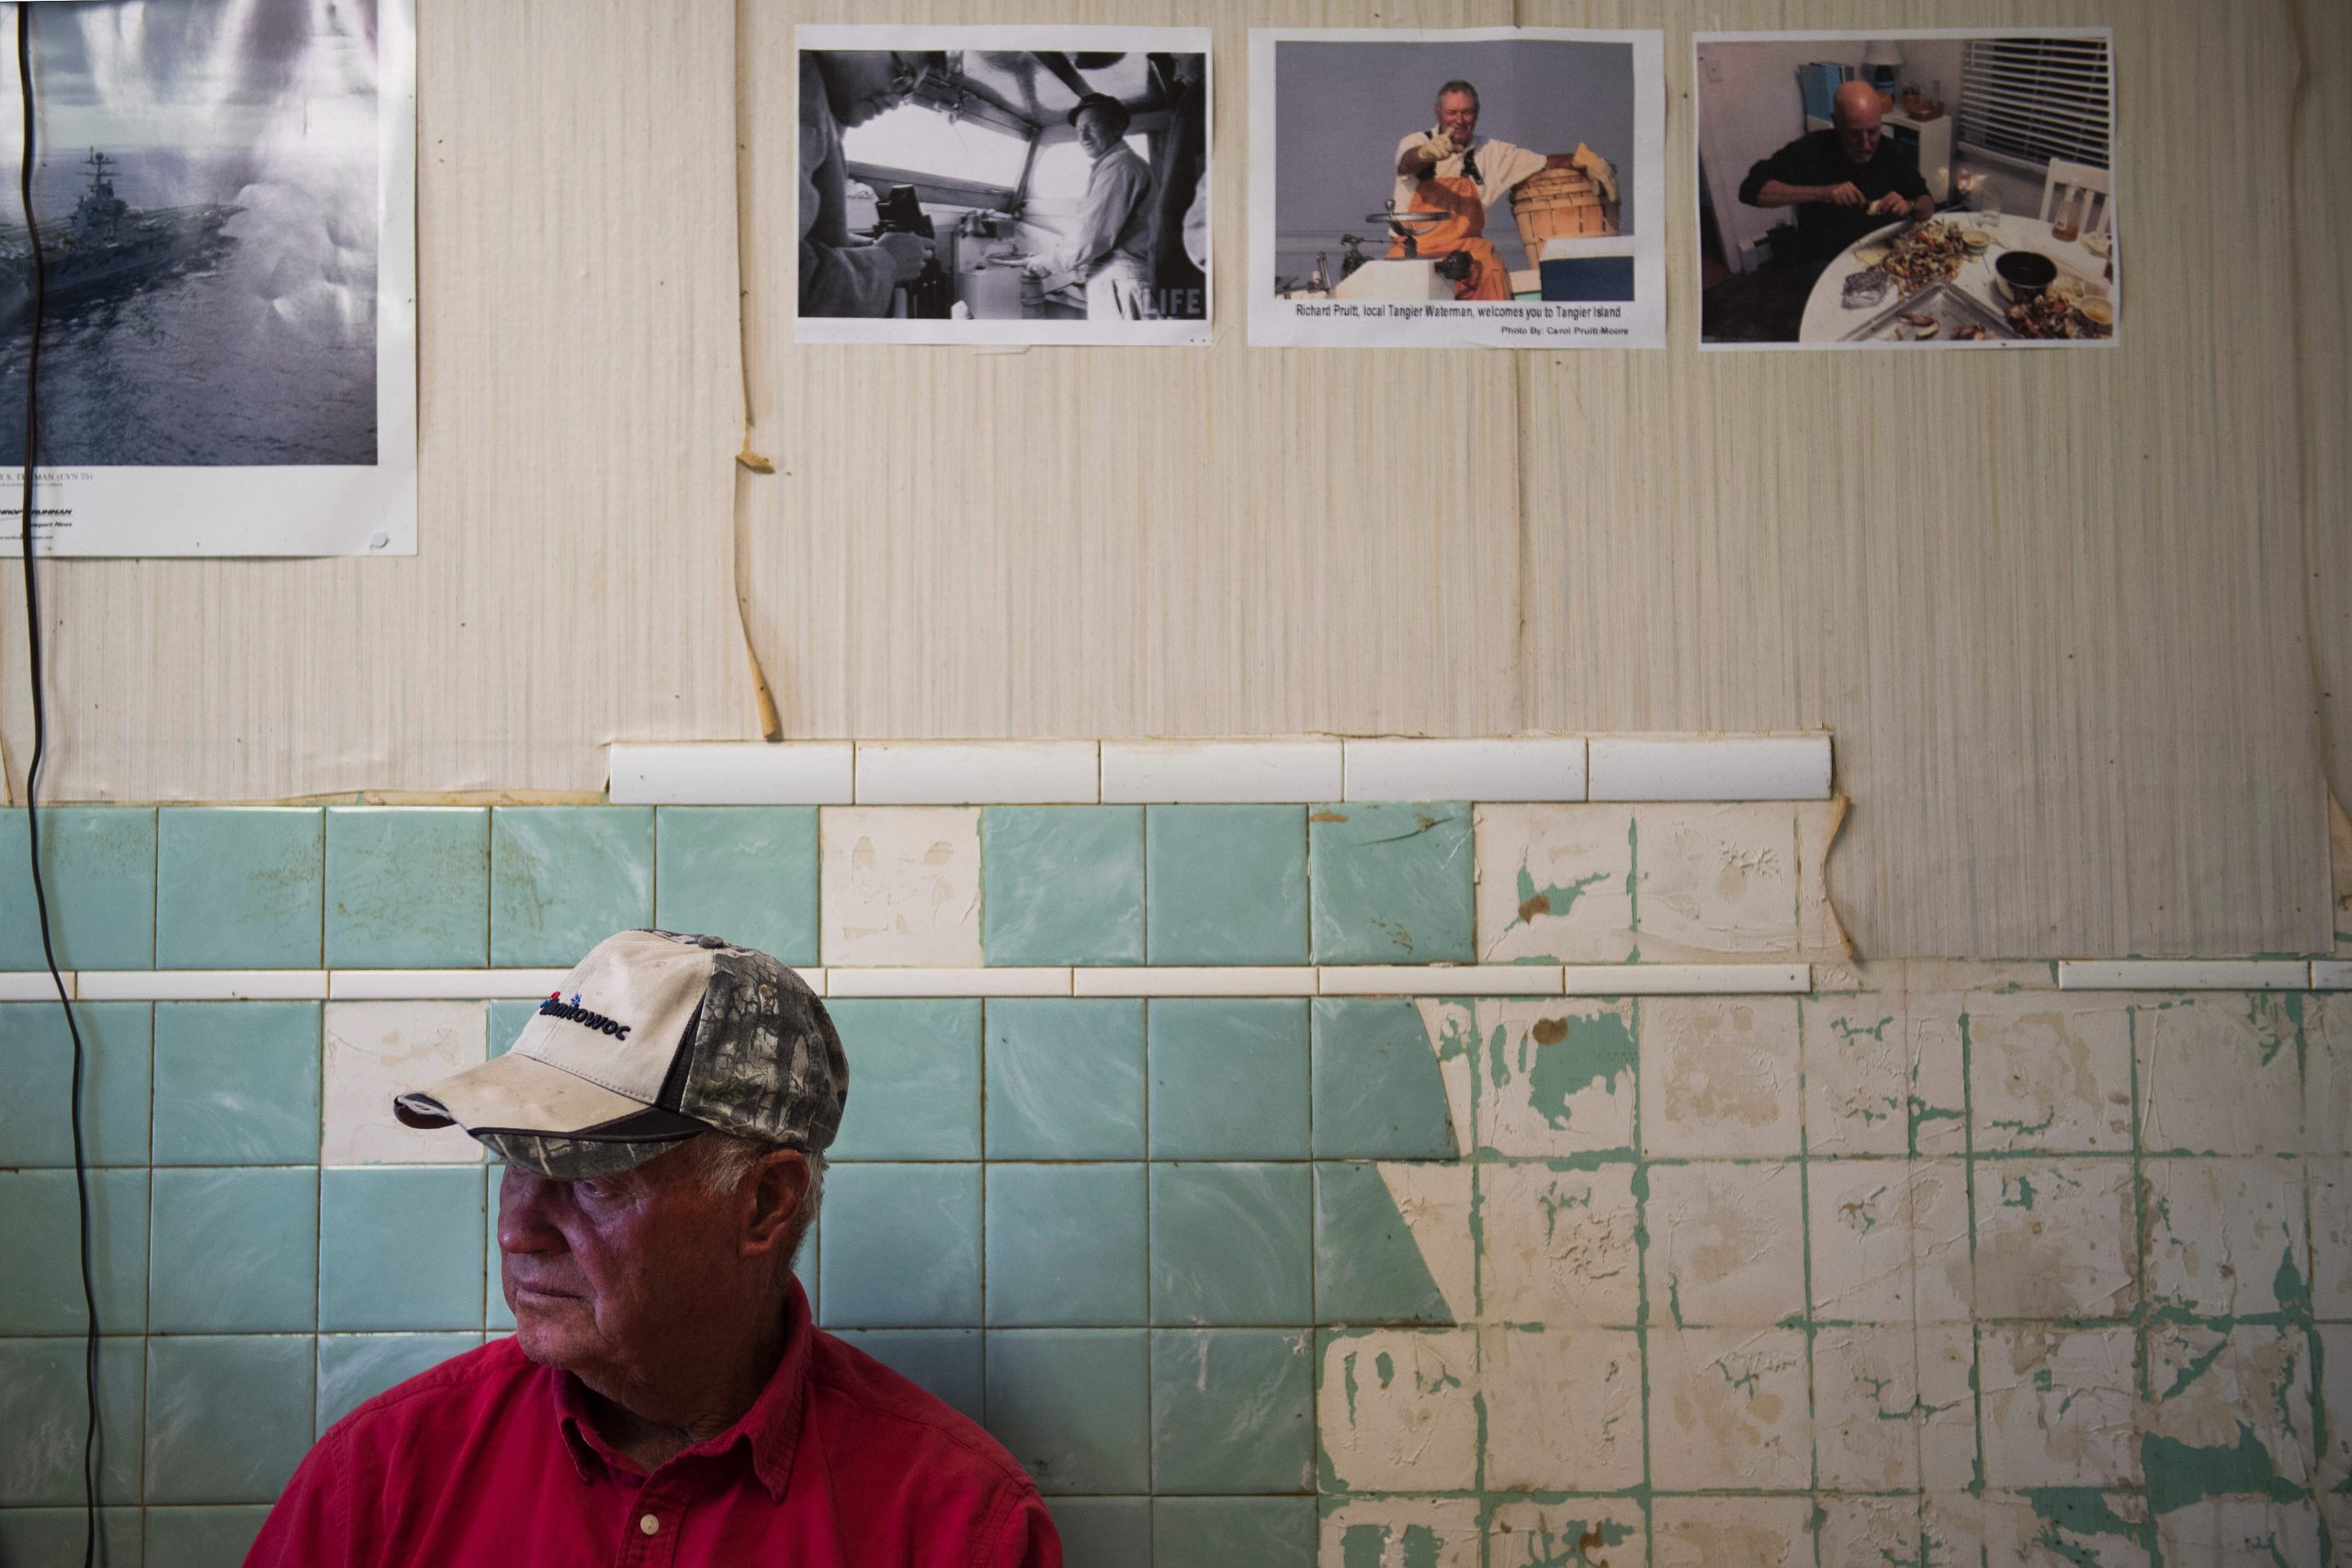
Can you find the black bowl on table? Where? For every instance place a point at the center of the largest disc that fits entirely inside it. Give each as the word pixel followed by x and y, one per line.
pixel 2025 274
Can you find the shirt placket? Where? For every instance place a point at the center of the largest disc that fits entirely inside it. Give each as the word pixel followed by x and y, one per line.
pixel 655 1520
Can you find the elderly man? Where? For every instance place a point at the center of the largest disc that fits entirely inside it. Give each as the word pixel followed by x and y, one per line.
pixel 1447 169
pixel 1108 252
pixel 840 274
pixel 664 1398
pixel 1844 182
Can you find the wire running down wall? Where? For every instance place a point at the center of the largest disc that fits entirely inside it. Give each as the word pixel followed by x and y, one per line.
pixel 2063 612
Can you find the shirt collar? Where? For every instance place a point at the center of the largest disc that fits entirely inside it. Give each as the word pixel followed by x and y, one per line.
pixel 770 1428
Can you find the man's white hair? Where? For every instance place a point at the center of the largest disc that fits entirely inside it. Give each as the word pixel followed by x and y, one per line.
pixel 724 1161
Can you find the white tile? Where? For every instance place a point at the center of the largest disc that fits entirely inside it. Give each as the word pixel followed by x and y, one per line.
pixel 32 985
pixel 901 885
pixel 734 772
pixel 1536 768
pixel 1440 979
pixel 376 1051
pixel 2332 973
pixel 200 985
pixel 977 773
pixel 1249 771
pixel 1287 980
pixel 433 985
pixel 1686 979
pixel 1709 767
pixel 1005 982
pixel 2183 975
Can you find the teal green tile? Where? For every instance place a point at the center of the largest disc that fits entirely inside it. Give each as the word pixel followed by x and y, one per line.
pixel 44 1410
pixel 1221 1532
pixel 228 1417
pixel 1066 1245
pixel 239 886
pixel 1072 1406
pixel 1232 1244
pixel 55 1536
pixel 385 1261
pixel 408 887
pixel 356 1368
pixel 237 1083
pixel 901 1246
pixel 496 1317
pixel 1229 1077
pixel 943 1362
pixel 1065 1079
pixel 1391 882
pixel 1232 1411
pixel 117 1044
pixel 1226 884
pixel 507 1017
pixel 1379 1089
pixel 1367 1266
pixel 746 873
pixel 216 1536
pixel 562 879
pixel 1105 1532
pixel 99 868
pixel 915 1070
pixel 1062 883
pixel 233 1251
pixel 40 1252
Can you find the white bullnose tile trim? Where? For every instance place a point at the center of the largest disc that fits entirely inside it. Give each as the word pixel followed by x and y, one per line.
pixel 1687 979
pixel 979 773
pixel 440 984
pixel 2184 974
pixel 1007 982
pixel 2332 973
pixel 733 773
pixel 32 985
pixel 1531 768
pixel 1221 771
pixel 1709 767
pixel 1287 980
pixel 1439 980
pixel 201 984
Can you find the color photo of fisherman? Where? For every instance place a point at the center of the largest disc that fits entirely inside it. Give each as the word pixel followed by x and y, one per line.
pixel 961 193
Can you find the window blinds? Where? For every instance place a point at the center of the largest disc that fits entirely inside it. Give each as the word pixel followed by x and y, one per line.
pixel 2037 98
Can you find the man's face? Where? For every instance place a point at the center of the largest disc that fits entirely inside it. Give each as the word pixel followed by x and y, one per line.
pixel 1457 116
pixel 616 1279
pixel 1095 132
pixel 1857 131
pixel 862 83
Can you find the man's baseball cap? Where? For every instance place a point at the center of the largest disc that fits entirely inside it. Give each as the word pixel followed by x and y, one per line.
pixel 655 1037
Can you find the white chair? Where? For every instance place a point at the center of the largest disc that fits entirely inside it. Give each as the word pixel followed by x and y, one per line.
pixel 2070 185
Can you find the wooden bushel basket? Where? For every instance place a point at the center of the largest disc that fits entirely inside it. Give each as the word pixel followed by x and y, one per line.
pixel 1557 204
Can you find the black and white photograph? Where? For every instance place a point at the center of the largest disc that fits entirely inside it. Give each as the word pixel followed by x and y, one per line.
pixel 1939 189
pixel 223 201
pixel 1495 187
pixel 1029 184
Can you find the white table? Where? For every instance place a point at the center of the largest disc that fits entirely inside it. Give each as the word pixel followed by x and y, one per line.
pixel 1827 319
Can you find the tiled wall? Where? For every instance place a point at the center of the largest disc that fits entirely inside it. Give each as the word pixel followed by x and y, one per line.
pixel 1914 1263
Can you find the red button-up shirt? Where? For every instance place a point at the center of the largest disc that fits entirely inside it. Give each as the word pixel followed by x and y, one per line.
pixel 490 1462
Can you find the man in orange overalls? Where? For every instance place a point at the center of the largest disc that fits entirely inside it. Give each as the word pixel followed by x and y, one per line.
pixel 1447 169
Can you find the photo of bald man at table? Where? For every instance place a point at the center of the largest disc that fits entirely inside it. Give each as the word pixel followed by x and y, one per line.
pixel 1921 188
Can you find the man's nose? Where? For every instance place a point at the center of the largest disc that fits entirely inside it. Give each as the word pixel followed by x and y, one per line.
pixel 523 1223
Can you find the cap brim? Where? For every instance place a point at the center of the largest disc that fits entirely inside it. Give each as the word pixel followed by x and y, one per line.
pixel 516 1093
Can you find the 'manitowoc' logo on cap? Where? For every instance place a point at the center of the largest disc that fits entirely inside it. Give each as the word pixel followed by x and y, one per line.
pixel 556 1007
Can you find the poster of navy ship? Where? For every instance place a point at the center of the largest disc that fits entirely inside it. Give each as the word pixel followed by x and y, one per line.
pixel 223 233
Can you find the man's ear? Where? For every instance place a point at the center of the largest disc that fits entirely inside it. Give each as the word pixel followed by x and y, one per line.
pixel 779 1186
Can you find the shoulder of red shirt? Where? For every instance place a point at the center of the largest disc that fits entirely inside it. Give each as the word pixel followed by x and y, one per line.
pixel 481 1376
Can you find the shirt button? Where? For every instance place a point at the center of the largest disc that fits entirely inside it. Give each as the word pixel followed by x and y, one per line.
pixel 649 1524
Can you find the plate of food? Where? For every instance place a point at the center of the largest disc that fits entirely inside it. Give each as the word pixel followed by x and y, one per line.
pixel 1925 255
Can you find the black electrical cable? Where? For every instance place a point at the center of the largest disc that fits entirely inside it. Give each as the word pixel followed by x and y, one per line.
pixel 91 1449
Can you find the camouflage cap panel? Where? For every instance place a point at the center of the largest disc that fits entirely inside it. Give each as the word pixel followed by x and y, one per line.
pixel 569 1159
pixel 766 1062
